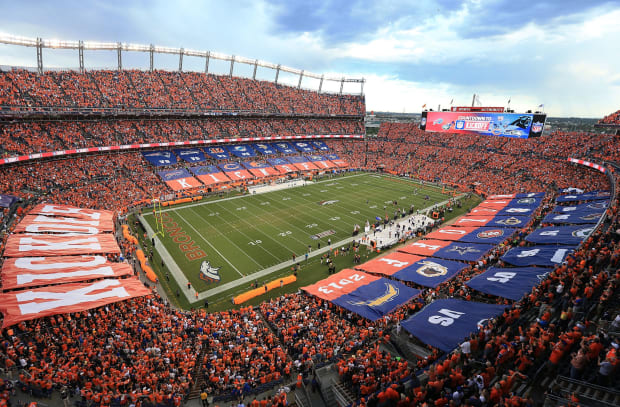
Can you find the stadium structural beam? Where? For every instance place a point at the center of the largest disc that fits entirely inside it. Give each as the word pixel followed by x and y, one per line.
pixel 81 55
pixel 151 51
pixel 277 73
pixel 119 55
pixel 301 75
pixel 255 67
pixel 39 55
pixel 321 83
pixel 181 60
pixel 341 85
pixel 232 65
pixel 119 47
pixel 362 86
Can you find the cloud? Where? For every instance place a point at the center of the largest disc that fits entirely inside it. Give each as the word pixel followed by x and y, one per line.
pixel 560 53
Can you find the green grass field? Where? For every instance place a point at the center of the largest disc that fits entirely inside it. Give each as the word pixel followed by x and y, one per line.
pixel 246 234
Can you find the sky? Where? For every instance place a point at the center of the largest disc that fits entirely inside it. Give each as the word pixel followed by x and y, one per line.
pixel 562 54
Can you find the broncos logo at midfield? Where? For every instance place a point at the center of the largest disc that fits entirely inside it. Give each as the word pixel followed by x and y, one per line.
pixel 391 292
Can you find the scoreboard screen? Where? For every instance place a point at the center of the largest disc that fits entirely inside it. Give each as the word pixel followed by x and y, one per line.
pixel 516 125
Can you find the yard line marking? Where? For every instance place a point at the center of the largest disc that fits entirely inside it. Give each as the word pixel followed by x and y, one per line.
pixel 240 218
pixel 231 242
pixel 203 238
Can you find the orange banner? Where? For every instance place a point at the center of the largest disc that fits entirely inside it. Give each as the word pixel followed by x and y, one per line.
pixel 58 224
pixel 20 245
pixel 18 306
pixel 26 272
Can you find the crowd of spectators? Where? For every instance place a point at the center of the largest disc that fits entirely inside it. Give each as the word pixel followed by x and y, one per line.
pixel 314 331
pixel 133 89
pixel 612 118
pixel 37 137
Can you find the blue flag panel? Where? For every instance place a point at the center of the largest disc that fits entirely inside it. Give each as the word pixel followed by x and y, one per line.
pixel 266 149
pixel 297 159
pixel 377 299
pixel 594 206
pixel 313 158
pixel 278 161
pixel 492 221
pixel 547 256
pixel 253 164
pixel 242 151
pixel 563 235
pixel 444 324
pixel 205 169
pixel 577 218
pixel 303 146
pixel 284 147
pixel 218 153
pixel 511 283
pixel 332 157
pixel 192 155
pixel 160 158
pixel 320 145
pixel 587 196
pixel 430 272
pixel 463 251
pixel 520 195
pixel 231 167
pixel 174 174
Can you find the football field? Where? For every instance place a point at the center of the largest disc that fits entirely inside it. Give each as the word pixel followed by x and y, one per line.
pixel 246 234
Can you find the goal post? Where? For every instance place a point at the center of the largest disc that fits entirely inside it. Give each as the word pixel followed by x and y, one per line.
pixel 159 223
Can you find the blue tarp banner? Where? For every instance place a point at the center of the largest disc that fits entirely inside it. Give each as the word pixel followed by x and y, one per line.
pixel 7 200
pixel 426 271
pixel 547 256
pixel 587 196
pixel 160 158
pixel 231 167
pixel 471 234
pixel 377 298
pixel 520 195
pixel 594 206
pixel 510 211
pixel 511 203
pixel 242 151
pixel 314 158
pixel 297 159
pixel 266 149
pixel 332 157
pixel 205 169
pixel 511 283
pixel 464 251
pixel 577 218
pixel 218 153
pixel 303 146
pixel 562 235
pixel 253 164
pixel 320 145
pixel 278 161
pixel 174 174
pixel 444 324
pixel 369 296
pixel 492 221
pixel 284 147
pixel 192 155
pixel 448 250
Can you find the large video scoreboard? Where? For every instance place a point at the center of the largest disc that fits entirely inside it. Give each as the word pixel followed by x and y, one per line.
pixel 516 125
